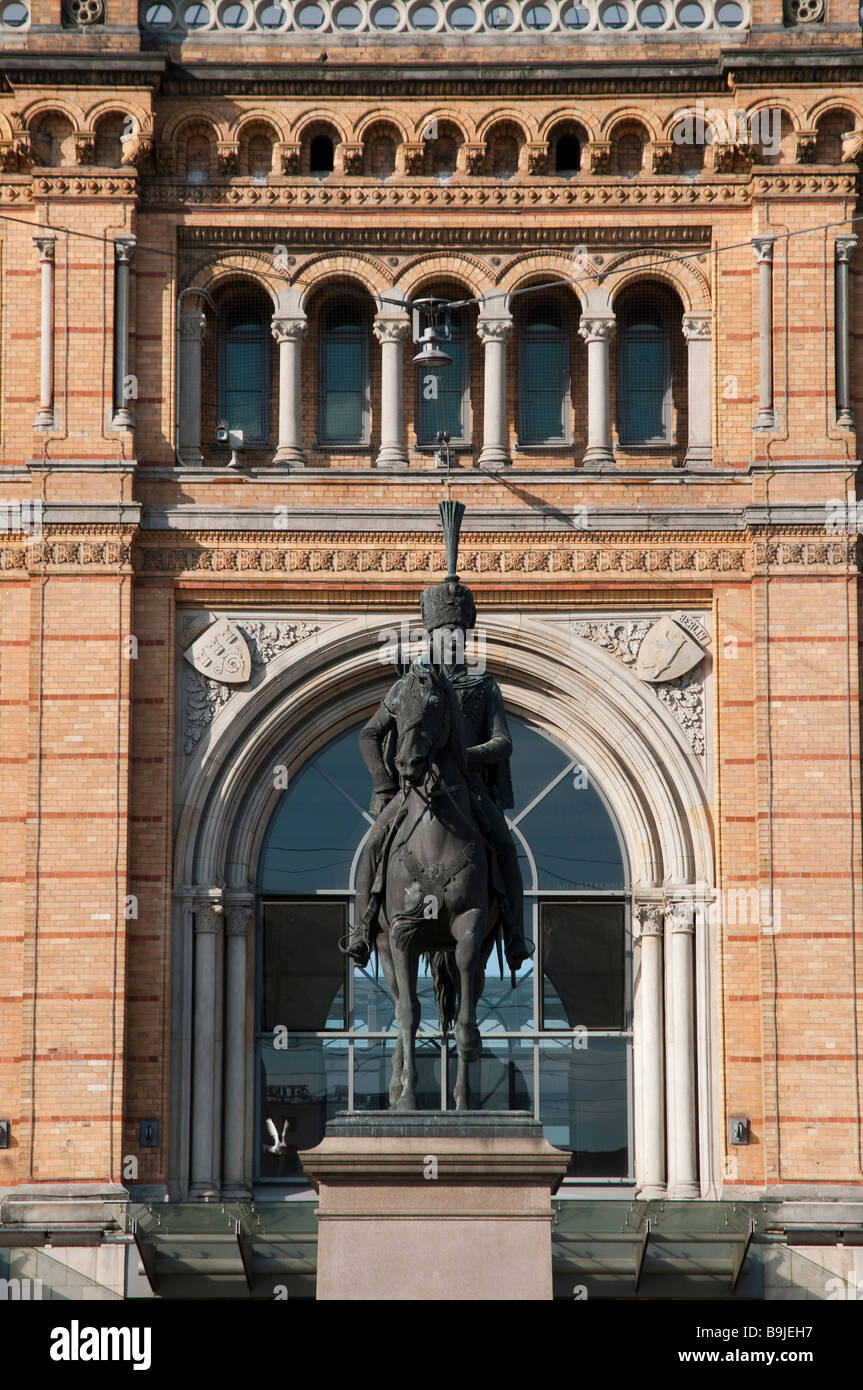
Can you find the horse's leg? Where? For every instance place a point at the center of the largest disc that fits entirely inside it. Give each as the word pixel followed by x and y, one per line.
pixel 469 929
pixel 406 961
pixel 385 957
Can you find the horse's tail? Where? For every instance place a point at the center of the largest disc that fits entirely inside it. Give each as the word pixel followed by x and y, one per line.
pixel 445 979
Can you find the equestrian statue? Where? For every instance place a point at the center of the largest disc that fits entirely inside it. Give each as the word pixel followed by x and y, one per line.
pixel 439 875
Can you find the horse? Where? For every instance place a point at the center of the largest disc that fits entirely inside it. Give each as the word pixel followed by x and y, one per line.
pixel 437 897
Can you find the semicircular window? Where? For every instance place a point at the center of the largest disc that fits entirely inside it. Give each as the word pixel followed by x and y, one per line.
pixel 557 1044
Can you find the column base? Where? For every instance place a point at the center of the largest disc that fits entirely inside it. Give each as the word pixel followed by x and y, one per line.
pixel 651 1192
pixel 190 458
pixel 680 1190
pixel 236 1192
pixel 434 1205
pixel 494 457
pixel 598 457
pixel 699 456
pixel 205 1191
pixel 290 457
pixel 391 457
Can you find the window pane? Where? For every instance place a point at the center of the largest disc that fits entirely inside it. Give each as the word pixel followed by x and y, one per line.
pixel 573 838
pixel 301 1087
pixel 373 1064
pixel 303 969
pixel 372 1011
pixel 583 1104
pixel 344 378
pixel 543 376
pixel 447 412
pixel 245 381
pixel 644 383
pixel 583 970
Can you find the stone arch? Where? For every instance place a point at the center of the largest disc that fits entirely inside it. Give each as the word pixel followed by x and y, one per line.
pixel 210 275
pixel 508 116
pixel 382 116
pixel 446 116
pixel 52 136
pixel 574 115
pixel 631 115
pixel 367 272
pixel 175 129
pixel 140 115
pixel 46 105
pixel 249 135
pixel 306 122
pixel 835 102
pixel 521 273
pixel 271 118
pixel 688 281
pixel 423 269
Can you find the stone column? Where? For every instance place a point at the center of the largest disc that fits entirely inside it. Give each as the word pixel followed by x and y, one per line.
pixel 45 245
pixel 494 332
pixel 763 246
pixel 239 918
pixel 597 332
pixel 651 1157
pixel 680 1050
pixel 288 331
pixel 391 331
pixel 192 328
pixel 124 249
pixel 207 1044
pixel 844 248
pixel 698 330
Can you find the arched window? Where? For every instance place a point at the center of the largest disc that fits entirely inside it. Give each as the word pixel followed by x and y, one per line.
pixel 543 374
pixel 644 390
pixel 343 373
pixel 443 393
pixel 244 366
pixel 567 155
pixel 558 1045
pixel 321 155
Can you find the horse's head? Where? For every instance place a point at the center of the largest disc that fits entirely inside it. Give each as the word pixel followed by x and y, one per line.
pixel 423 720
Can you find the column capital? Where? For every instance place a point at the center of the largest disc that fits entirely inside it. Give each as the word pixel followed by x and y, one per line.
pixel 494 328
pixel 45 243
pixel 650 918
pixel 193 324
pixel 124 249
pixel 209 910
pixel 239 917
pixel 844 248
pixel 288 328
pixel 599 329
pixel 763 248
pixel 697 326
pixel 391 328
pixel 680 916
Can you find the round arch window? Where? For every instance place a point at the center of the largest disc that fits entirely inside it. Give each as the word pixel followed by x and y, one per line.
pixel 557 1045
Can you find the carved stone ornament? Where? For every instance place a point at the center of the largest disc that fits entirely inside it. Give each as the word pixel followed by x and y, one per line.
pixel 537 159
pixel 852 146
pixel 83 12
pixel 683 696
pixel 289 158
pixel 803 11
pixel 221 654
pixel 666 652
pixel 85 148
pixel 204 697
pixel 474 158
pixel 229 158
pixel 352 159
pixel 660 157
pixel 599 156
pixel 414 156
pixel 650 918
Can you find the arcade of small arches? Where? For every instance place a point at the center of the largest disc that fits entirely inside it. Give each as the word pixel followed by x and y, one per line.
pixel 229 864
pixel 625 368
pixel 201 148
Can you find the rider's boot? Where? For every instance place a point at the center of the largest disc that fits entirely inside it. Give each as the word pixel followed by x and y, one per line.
pixel 516 947
pixel 358 944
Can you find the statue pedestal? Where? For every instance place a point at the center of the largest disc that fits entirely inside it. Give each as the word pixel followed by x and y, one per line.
pixel 434 1205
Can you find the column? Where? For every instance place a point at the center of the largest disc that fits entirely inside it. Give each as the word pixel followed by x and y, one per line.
pixel 239 916
pixel 698 330
pixel 651 1155
pixel 597 333
pixel 124 248
pixel 494 332
pixel 288 331
pixel 45 245
pixel 763 246
pixel 391 331
pixel 680 1050
pixel 206 1044
pixel 192 328
pixel 844 250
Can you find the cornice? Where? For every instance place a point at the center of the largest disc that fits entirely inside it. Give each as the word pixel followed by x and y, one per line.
pixel 202 239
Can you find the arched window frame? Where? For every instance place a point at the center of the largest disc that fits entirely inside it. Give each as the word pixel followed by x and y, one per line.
pixel 645 325
pixel 257 337
pixel 361 389
pixel 528 338
pixel 453 393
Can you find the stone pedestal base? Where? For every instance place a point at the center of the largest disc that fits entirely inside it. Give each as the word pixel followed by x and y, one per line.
pixel 434 1205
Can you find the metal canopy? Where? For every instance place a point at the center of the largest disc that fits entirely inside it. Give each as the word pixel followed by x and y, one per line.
pixel 228 1250
pixel 623 1248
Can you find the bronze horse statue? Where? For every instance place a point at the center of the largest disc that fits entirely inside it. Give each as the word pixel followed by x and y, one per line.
pixel 437 900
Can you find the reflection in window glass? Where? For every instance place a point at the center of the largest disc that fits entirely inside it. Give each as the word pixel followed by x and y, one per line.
pixel 583 1103
pixel 576 17
pixel 303 970
pixel 543 376
pixel 645 370
pixel 300 1087
pixel 244 369
pixel 448 411
pixel 501 1078
pixel 373 1064
pixel 583 965
pixel 344 375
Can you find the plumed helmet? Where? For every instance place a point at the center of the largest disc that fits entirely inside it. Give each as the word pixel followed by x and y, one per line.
pixel 450 604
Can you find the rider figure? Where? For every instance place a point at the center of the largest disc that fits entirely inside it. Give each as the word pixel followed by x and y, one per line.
pixel 448 611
